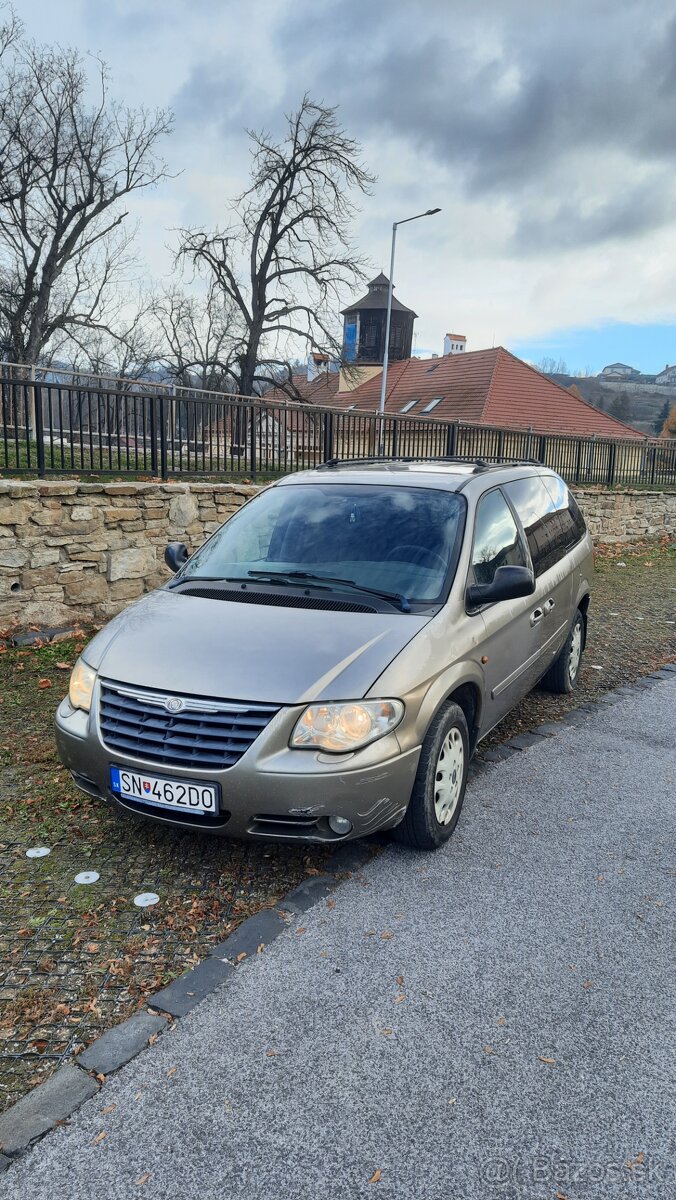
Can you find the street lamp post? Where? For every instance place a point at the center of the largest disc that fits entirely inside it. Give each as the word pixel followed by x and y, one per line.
pixel 383 384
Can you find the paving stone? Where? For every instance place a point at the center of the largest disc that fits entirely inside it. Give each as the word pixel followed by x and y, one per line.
pixel 670 668
pixel 262 928
pixel 181 996
pixel 575 717
pixel 523 740
pixel 5 1162
pixel 49 1102
pixel 121 1043
pixel 309 892
pixel 550 727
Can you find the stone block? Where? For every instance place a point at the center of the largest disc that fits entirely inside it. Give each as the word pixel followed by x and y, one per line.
pixel 126 589
pixel 44 1106
pixel 87 588
pixel 38 576
pixel 57 488
pixel 43 556
pixel 82 512
pixel 17 512
pixel 110 515
pixel 134 563
pixel 121 1043
pixel 183 510
pixel 49 513
pixel 46 612
pixel 13 556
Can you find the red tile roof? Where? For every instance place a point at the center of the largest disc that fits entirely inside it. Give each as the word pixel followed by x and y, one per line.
pixel 320 391
pixel 486 387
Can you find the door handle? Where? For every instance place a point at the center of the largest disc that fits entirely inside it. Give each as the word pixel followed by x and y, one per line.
pixel 536 616
pixel 550 604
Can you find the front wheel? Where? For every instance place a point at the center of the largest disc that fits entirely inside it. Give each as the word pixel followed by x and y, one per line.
pixel 563 673
pixel 439 787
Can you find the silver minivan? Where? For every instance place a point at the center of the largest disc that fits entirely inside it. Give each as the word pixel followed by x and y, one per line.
pixel 326 663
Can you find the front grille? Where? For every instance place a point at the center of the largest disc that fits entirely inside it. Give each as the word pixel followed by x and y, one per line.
pixel 206 734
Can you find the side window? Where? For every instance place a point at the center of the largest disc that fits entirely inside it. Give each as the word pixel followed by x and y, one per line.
pixel 497 541
pixel 548 540
pixel 566 505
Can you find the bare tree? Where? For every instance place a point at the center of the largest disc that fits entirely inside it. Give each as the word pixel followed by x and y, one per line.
pixel 198 337
pixel 287 256
pixel 67 165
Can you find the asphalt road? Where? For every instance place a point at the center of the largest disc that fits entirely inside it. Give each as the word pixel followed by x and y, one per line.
pixel 488 1021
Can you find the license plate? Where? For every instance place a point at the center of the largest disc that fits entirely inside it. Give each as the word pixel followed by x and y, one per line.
pixel 162 792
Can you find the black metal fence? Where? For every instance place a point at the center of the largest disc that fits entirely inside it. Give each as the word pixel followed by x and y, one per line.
pixel 55 428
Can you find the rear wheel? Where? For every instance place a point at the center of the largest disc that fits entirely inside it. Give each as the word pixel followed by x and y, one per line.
pixel 564 671
pixel 439 787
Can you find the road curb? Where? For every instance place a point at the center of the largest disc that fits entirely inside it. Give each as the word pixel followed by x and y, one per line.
pixel 58 1097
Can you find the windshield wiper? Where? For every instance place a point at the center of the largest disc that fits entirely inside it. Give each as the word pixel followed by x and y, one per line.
pixel 302 577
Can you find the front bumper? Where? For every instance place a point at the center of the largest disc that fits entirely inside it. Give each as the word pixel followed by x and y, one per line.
pixel 272 792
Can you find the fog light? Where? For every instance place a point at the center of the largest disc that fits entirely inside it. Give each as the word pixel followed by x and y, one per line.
pixel 340 824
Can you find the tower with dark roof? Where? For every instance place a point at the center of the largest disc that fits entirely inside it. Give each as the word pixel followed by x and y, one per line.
pixel 364 327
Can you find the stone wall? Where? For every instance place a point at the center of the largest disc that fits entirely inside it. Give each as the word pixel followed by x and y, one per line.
pixel 79 552
pixel 628 516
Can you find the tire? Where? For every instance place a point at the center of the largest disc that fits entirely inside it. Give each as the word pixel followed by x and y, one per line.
pixel 564 672
pixel 447 739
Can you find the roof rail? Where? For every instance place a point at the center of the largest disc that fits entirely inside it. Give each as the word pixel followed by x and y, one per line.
pixel 480 464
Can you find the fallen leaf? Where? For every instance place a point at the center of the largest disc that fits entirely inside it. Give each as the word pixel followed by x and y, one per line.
pixel 302 929
pixel 376 1176
pixel 399 979
pixel 152 1039
pixel 550 1061
pixel 398 999
pixel 144 1177
pixel 272 1054
pixel 241 956
pixel 560 1196
pixel 172 1071
pixel 489 1050
pixel 587 984
pixel 101 1077
pixel 637 1162
pixel 63 666
pixel 386 935
pixel 370 933
pixel 387 1032
pixel 452 1100
pixel 330 904
pixel 99 1137
pixel 109 1108
pixel 261 948
pixel 44 683
pixel 502 1020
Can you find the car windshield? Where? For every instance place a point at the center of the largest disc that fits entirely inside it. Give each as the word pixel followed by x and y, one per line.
pixel 397 539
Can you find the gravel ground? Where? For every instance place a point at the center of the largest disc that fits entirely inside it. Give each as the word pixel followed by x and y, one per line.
pixel 488 1022
pixel 75 959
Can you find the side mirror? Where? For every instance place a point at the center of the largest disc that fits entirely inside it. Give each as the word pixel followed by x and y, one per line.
pixel 175 555
pixel 509 583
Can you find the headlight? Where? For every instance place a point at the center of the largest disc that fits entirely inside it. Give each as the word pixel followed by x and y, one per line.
pixel 81 687
pixel 348 726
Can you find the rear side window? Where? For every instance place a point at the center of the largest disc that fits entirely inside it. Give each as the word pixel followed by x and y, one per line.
pixel 549 533
pixel 497 541
pixel 567 506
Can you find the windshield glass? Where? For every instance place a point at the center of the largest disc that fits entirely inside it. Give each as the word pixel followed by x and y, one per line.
pixel 396 539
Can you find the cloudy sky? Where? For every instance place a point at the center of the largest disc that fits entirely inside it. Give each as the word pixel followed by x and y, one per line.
pixel 545 131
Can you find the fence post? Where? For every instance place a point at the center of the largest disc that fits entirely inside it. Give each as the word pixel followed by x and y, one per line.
pixel 154 400
pixel 652 453
pixel 328 436
pixel 542 448
pixel 610 477
pixel 578 460
pixel 252 439
pixel 39 429
pixel 163 437
pixel 451 439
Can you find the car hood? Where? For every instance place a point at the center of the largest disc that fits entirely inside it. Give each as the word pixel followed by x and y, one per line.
pixel 180 643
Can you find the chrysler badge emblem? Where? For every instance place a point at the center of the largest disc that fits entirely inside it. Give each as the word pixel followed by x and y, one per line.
pixel 173 704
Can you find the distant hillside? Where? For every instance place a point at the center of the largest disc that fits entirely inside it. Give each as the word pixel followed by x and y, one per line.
pixel 643 405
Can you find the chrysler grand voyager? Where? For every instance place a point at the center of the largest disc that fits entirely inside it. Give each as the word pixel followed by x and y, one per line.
pixel 326 663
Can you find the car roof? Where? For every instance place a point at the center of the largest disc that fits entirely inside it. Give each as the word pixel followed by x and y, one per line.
pixel 468 475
